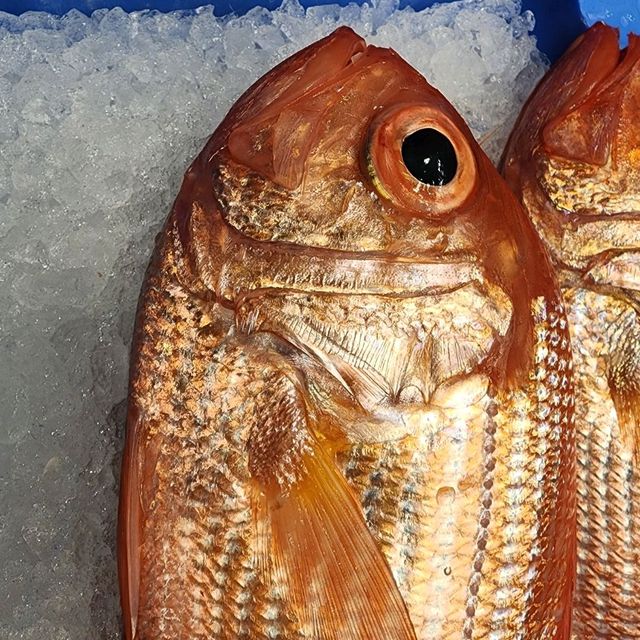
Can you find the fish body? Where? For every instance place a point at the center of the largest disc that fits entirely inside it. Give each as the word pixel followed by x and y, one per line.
pixel 351 403
pixel 573 159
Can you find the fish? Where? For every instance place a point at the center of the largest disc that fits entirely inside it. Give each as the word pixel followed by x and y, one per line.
pixel 351 406
pixel 573 160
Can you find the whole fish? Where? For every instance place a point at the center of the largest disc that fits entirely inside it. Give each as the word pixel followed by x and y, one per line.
pixel 574 160
pixel 350 412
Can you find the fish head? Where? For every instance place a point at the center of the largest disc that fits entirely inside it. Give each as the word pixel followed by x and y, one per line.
pixel 344 170
pixel 337 144
pixel 574 157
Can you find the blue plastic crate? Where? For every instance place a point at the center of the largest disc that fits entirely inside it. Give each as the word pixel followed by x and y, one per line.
pixel 558 22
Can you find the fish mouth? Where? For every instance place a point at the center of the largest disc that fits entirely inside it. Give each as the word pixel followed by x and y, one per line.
pixel 275 127
pixel 247 265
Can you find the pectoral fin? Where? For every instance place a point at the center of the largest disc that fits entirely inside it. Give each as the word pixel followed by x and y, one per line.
pixel 315 539
pixel 137 482
pixel 130 525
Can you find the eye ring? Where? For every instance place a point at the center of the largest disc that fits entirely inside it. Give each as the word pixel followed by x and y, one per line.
pixel 395 182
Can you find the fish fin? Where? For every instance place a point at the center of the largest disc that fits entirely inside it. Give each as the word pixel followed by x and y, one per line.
pixel 624 382
pixel 316 541
pixel 137 487
pixel 129 531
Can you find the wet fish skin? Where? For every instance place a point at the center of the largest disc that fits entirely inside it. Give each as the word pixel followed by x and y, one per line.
pixel 573 161
pixel 351 402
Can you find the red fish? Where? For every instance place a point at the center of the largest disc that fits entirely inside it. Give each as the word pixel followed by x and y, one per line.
pixel 574 161
pixel 350 412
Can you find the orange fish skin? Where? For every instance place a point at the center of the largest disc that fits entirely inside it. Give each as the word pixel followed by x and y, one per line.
pixel 351 402
pixel 573 161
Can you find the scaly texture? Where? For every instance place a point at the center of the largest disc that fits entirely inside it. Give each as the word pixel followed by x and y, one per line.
pixel 608 488
pixel 198 533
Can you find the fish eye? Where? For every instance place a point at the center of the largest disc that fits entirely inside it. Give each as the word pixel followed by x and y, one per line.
pixel 420 159
pixel 430 157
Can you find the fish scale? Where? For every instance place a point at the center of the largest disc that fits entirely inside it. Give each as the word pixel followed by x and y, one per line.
pixel 608 534
pixel 214 555
pixel 361 469
pixel 502 557
pixel 194 538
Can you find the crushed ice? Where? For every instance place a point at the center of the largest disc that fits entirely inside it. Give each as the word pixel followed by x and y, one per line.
pixel 99 118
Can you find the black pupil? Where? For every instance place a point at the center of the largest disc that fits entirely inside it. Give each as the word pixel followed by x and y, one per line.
pixel 430 157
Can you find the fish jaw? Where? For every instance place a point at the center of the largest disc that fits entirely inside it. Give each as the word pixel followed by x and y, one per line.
pixel 573 154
